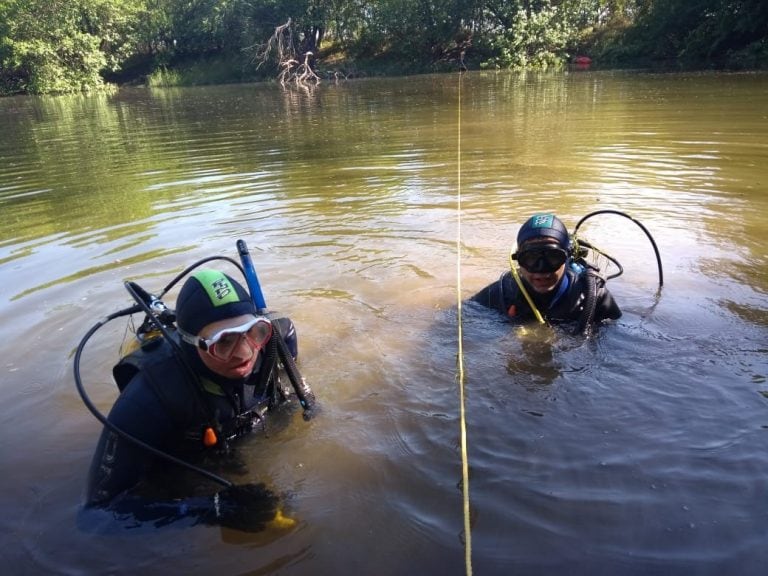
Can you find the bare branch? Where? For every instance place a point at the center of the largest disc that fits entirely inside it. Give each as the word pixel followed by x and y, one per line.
pixel 281 49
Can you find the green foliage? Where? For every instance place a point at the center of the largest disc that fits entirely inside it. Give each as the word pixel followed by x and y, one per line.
pixel 215 69
pixel 536 39
pixel 699 32
pixel 164 78
pixel 417 34
pixel 49 46
pixel 754 56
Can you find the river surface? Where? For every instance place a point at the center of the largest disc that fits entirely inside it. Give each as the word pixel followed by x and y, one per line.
pixel 642 450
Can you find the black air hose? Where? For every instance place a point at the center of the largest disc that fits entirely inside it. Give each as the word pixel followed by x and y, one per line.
pixel 587 316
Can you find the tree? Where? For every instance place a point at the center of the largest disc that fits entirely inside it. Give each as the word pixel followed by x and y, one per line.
pixel 536 33
pixel 49 46
pixel 700 31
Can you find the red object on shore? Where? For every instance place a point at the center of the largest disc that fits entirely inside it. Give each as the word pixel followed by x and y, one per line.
pixel 582 62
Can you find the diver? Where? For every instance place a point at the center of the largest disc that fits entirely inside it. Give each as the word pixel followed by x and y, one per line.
pixel 552 283
pixel 192 399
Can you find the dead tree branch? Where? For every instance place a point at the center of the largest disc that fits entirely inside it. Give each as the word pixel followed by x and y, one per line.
pixel 281 49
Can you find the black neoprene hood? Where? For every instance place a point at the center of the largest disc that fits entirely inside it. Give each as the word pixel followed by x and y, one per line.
pixel 544 225
pixel 209 296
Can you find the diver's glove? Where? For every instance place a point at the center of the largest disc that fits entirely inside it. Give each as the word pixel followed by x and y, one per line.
pixel 249 507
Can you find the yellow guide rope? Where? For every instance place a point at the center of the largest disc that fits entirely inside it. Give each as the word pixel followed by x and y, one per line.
pixel 460 357
pixel 523 290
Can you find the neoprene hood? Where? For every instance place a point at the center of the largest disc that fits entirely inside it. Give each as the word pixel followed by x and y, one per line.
pixel 209 296
pixel 544 225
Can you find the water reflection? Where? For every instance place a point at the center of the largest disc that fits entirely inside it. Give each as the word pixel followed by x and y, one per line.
pixel 534 365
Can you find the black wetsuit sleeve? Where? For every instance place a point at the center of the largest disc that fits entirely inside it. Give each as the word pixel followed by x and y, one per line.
pixel 492 296
pixel 607 308
pixel 118 464
pixel 247 507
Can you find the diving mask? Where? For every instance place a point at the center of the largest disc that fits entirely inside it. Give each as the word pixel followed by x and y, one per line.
pixel 223 343
pixel 542 258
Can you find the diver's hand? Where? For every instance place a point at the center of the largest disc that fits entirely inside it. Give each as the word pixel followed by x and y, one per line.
pixel 248 507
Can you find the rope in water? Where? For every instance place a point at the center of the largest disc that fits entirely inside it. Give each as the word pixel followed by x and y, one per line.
pixel 460 356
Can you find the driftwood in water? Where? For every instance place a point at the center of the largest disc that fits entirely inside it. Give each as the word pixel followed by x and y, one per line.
pixel 281 48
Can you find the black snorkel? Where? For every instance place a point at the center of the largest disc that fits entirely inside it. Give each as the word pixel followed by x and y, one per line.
pixel 303 392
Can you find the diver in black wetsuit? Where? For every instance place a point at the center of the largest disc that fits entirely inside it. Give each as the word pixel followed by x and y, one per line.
pixel 550 285
pixel 192 408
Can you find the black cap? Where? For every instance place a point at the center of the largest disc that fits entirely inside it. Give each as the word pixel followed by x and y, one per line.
pixel 209 296
pixel 544 225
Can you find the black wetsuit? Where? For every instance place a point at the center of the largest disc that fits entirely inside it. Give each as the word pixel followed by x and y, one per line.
pixel 563 304
pixel 161 405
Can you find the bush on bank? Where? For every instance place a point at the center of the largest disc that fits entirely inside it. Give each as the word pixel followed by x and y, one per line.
pixel 56 46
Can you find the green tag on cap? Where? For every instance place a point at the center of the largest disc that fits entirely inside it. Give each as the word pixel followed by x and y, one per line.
pixel 217 286
pixel 542 221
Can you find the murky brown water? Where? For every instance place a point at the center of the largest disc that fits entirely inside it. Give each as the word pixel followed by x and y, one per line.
pixel 642 451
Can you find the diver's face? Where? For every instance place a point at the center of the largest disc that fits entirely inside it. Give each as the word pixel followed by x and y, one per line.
pixel 242 358
pixel 541 282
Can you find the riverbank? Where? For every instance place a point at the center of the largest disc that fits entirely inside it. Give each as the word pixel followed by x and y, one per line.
pixel 220 70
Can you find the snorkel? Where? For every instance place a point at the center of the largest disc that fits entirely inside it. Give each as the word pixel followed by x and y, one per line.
pixel 521 286
pixel 250 277
pixel 303 392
